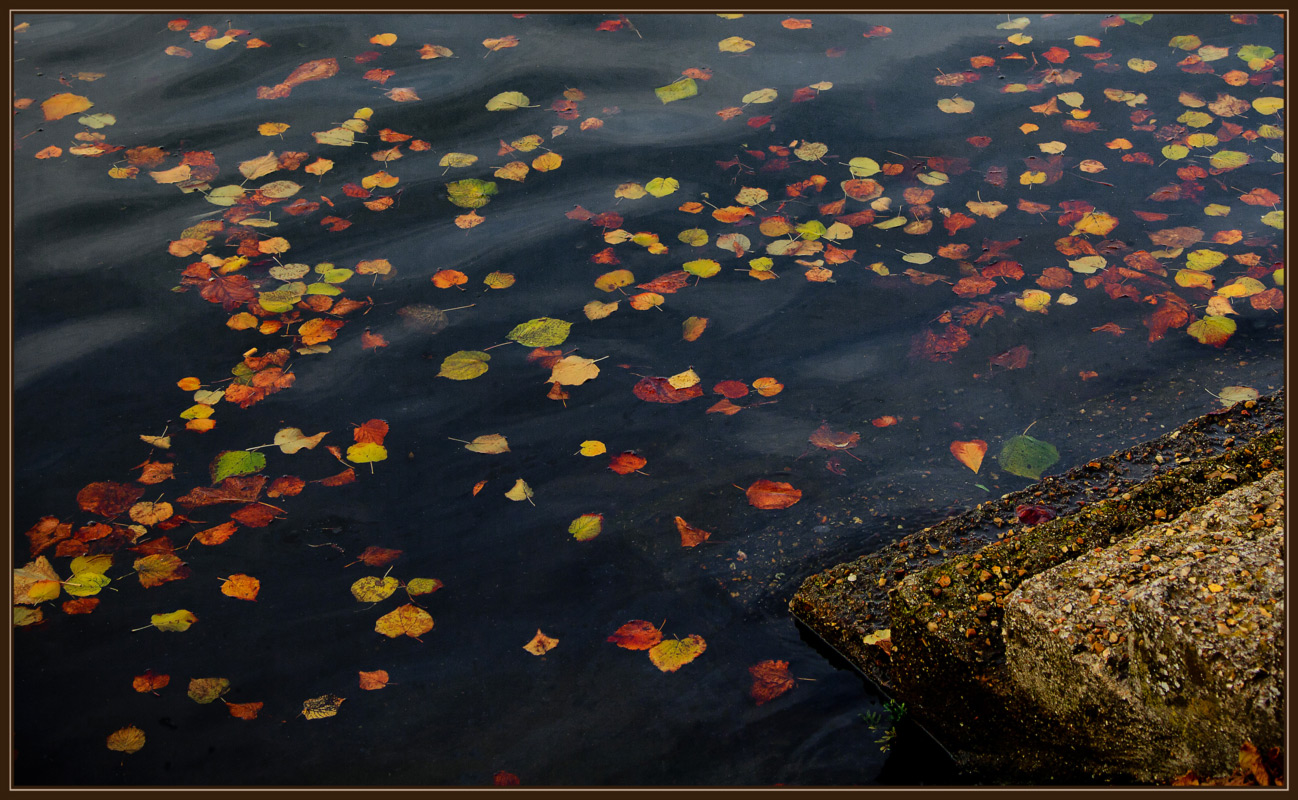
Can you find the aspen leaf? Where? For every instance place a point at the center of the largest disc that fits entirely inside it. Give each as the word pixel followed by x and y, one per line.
pixel 690 535
pixel 547 162
pixel 661 187
pixel 677 90
pixel 671 654
pixel 770 680
pixel 374 589
pixel 955 105
pixel 636 635
pixel 272 128
pixel 291 440
pixel 157 569
pixel 703 268
pixel 586 527
pixel 597 310
pixel 236 462
pixel 970 453
pixel 246 711
pixel 174 622
pixel 759 96
pixel 540 644
pixel 366 453
pixel 464 365
pixel 771 495
pixel 1212 330
pixel 520 491
pixel 540 332
pixel 241 587
pixel 126 740
pixel 1027 457
pixel 324 706
pixel 61 105
pixel 614 280
pixel 418 586
pixel 407 620
pixel 458 160
pixel 574 371
pixel 370 681
pixel 734 44
pixel 630 191
pixel 692 328
pixel 207 690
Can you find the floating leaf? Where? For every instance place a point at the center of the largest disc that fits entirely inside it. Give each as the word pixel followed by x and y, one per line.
pixel 770 680
pixel 174 622
pixel 464 365
pixel 678 90
pixel 126 740
pixel 574 371
pixel 471 192
pixel 690 535
pixel 241 587
pixel 520 491
pixel 374 589
pixel 661 187
pixel 407 620
pixel 1027 457
pixel 970 453
pixel 540 332
pixel 366 453
pixel 540 644
pixel 955 105
pixel 207 690
pixel 636 635
pixel 236 462
pixel 61 105
pixel 672 654
pixel 508 101
pixel 1212 330
pixel 490 444
pixel 766 494
pixel 586 527
pixel 326 705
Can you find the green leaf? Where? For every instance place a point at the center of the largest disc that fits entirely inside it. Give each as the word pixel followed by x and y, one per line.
pixel 1027 457
pixel 661 187
pixel 1274 219
pixel 1137 19
pixel 85 584
pixel 1188 42
pixel 679 90
pixel 811 230
pixel 508 101
pixel 464 365
pixel 540 332
pixel 236 462
pixel 586 527
pixel 1251 51
pixel 470 192
pixel 1228 159
pixel 207 690
pixel 862 167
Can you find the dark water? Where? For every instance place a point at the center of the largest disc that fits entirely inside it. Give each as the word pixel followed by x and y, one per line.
pixel 101 340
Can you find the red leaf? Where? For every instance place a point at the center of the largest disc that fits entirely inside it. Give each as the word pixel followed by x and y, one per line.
pixel 108 499
pixel 731 389
pixel 371 432
pixel 1014 358
pixel 636 635
pixel 626 463
pixel 310 71
pixel 378 556
pixel 255 515
pixel 724 406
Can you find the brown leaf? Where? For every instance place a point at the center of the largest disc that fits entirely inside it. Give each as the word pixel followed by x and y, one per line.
pixel 108 499
pixel 771 495
pixel 1014 358
pixel 371 681
pixel 48 531
pixel 255 515
pixel 770 680
pixel 237 489
pixel 826 439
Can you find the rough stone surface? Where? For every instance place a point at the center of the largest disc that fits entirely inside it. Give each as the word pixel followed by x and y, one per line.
pixel 923 617
pixel 1171 640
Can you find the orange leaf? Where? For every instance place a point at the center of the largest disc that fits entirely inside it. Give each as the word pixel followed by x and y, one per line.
pixel 150 681
pixel 373 680
pixel 970 453
pixel 883 422
pixel 770 680
pixel 724 406
pixel 61 105
pixel 216 535
pixel 627 463
pixel 470 220
pixel 378 556
pixel 245 711
pixel 731 389
pixel 447 278
pixel 690 535
pixel 241 587
pixel 796 24
pixel 768 387
pixel 401 95
pixel 731 214
pixel 771 495
pixel 53 151
pixel 636 635
pixel 81 605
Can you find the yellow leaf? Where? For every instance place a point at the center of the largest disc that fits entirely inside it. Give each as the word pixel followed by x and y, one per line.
pixel 61 105
pixel 373 589
pixel 1054 148
pixel 614 280
pixel 489 444
pixel 508 101
pixel 955 105
pixel 597 310
pixel 540 644
pixel 326 705
pixel 1029 127
pixel 693 327
pixel 734 44
pixel 380 179
pixel 499 280
pixel 1096 222
pixel 464 365
pixel 175 622
pixel 703 267
pixel 254 168
pixel 586 527
pixel 670 655
pixel 747 196
pixel 408 620
pixel 126 740
pixel 35 582
pixel 1073 99
pixel 661 187
pixel 1204 259
pixel 684 380
pixel 272 128
pixel 646 300
pixel 986 208
pixel 631 191
pixel 1032 176
pixel 1033 300
pixel 547 162
pixel 1216 210
pixel 384 39
pixel 528 143
pixel 1141 65
pixel 520 491
pixel 1268 105
pixel 1190 278
pixel 591 447
pixel 573 371
pixel 366 453
pixel 457 160
pixel 1019 38
pixel 319 167
pixel 1243 286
